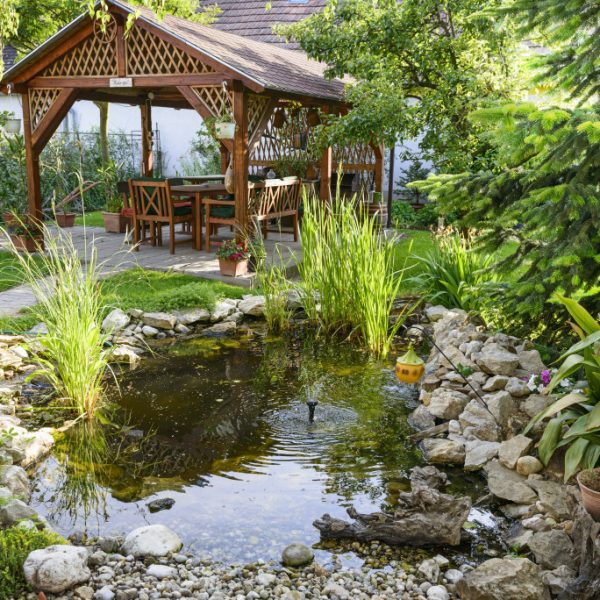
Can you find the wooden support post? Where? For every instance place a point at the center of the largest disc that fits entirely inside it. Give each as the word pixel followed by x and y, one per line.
pixel 32 166
pixel 224 159
pixel 326 168
pixel 147 161
pixel 241 157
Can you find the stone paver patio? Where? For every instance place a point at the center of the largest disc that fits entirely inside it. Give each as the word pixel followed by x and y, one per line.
pixel 115 254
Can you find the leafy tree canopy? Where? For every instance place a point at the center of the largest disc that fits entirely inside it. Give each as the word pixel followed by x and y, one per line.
pixel 544 188
pixel 421 66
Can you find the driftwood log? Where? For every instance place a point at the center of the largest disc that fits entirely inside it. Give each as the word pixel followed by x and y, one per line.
pixel 425 517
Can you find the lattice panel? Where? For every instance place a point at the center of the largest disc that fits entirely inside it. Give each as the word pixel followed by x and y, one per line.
pixel 90 58
pixel 257 110
pixel 278 142
pixel 216 100
pixel 147 54
pixel 355 158
pixel 40 102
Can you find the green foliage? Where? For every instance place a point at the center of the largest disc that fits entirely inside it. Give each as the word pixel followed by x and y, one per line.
pixel 454 273
pixel 291 165
pixel 205 157
pixel 415 171
pixel 420 66
pixel 155 291
pixel 72 356
pixel 11 272
pixel 347 275
pixel 403 214
pixel 575 422
pixel 13 182
pixel 542 189
pixel 15 545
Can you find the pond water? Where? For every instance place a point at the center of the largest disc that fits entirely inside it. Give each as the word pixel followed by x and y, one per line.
pixel 218 430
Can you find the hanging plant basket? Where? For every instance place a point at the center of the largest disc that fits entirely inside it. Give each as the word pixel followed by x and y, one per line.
pixel 279 118
pixel 225 131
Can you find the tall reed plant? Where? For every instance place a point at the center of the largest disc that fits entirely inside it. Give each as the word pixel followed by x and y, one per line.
pixel 72 355
pixel 348 280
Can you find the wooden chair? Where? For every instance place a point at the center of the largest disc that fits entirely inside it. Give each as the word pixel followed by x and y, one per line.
pixel 268 200
pixel 153 205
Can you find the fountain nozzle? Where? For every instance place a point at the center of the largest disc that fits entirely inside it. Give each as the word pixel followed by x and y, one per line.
pixel 312 404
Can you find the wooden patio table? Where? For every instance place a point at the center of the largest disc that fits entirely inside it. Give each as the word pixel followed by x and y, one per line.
pixel 204 178
pixel 196 192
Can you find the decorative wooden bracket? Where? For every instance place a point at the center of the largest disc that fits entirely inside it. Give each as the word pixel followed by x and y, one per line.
pixel 52 119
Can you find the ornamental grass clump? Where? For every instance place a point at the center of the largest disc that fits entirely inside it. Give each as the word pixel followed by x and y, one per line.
pixel 348 281
pixel 72 356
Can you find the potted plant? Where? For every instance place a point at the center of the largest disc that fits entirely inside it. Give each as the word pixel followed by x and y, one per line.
pixel 13 180
pixel 589 485
pixel 222 127
pixel 233 258
pixel 24 235
pixel 114 219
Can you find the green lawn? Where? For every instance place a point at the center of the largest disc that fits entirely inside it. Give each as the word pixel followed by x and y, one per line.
pixel 155 291
pixel 11 273
pixel 91 219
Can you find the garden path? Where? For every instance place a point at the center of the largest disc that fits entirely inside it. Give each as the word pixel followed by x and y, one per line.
pixel 114 255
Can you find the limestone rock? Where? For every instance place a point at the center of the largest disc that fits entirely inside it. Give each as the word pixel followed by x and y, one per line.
pixel 526 465
pixel 443 451
pixel 152 540
pixel 149 331
pixel 504 579
pixel 430 570
pixel 218 329
pixel 193 316
pixel 13 510
pixel 535 404
pixel 115 321
pixel 531 361
pixel 495 383
pixel 446 403
pixel 437 592
pixel 508 485
pixel 335 591
pixel 253 306
pixel 15 479
pixel 435 313
pixel 222 309
pixel 496 360
pixel 478 453
pixel 501 405
pixel 162 572
pixel 125 354
pixel 559 579
pixel 517 387
pixel 553 498
pixel 477 422
pixel 511 450
pixel 552 549
pixel 160 320
pixel 9 360
pixel 57 568
pixel 296 555
pixel 33 446
pixel 421 418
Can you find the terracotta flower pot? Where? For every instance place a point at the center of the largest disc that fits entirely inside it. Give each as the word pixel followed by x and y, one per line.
pixel 233 268
pixel 25 243
pixel 65 219
pixel 116 222
pixel 590 498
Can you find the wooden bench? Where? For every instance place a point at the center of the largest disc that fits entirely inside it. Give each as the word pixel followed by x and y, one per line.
pixel 268 200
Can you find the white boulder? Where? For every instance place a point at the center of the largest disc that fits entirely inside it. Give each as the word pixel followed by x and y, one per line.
pixel 57 568
pixel 152 540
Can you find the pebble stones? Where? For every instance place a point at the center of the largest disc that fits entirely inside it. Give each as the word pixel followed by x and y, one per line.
pixel 297 555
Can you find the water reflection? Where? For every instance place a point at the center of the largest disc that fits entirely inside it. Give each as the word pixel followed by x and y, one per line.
pixel 221 428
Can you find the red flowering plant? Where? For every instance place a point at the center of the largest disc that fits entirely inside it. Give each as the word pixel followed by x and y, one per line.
pixel 231 250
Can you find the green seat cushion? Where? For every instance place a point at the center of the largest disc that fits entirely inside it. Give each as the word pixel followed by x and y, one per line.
pixel 180 211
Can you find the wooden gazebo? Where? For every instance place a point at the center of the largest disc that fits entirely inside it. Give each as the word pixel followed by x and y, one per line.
pixel 181 64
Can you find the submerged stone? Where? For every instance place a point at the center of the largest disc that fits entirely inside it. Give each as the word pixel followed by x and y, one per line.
pixel 297 555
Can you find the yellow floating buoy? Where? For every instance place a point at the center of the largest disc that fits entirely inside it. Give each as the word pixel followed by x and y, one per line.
pixel 410 367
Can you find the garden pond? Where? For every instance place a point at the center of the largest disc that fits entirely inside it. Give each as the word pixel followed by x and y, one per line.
pixel 211 438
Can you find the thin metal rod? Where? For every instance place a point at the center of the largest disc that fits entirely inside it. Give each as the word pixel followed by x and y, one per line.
pixel 431 340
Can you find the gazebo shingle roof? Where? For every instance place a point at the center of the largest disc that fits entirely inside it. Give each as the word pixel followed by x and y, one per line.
pixel 270 66
pixel 252 19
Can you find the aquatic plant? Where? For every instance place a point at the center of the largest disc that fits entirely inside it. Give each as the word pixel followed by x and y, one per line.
pixel 348 281
pixel 72 357
pixel 15 545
